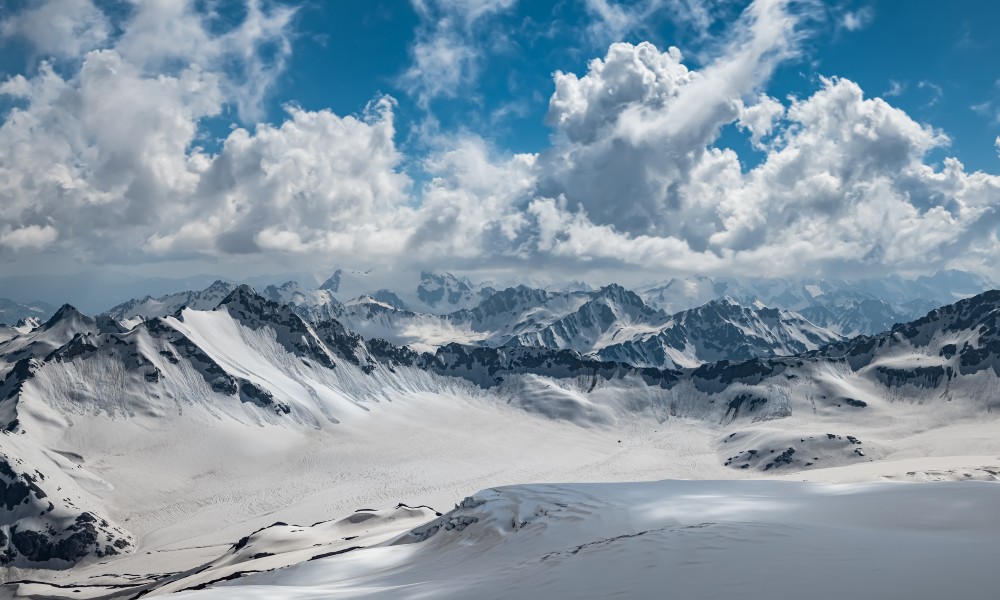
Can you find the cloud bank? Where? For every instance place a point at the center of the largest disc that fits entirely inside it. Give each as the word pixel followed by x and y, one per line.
pixel 101 160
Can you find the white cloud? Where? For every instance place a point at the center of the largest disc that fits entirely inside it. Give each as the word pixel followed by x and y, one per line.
pixel 103 153
pixel 446 54
pixel 34 237
pixel 59 28
pixel 247 58
pixel 760 117
pixel 614 20
pixel 634 128
pixel 858 19
pixel 936 92
pixel 989 110
pixel 106 154
pixel 896 88
pixel 102 164
pixel 317 183
pixel 843 191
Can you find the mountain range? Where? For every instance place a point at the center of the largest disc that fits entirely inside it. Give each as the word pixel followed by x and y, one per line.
pixel 234 404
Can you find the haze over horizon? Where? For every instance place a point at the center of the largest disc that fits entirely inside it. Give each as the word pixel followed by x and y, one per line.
pixel 498 139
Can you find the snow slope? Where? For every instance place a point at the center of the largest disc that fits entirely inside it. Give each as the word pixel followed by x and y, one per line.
pixel 148 307
pixel 849 308
pixel 441 293
pixel 685 539
pixel 719 330
pixel 190 432
pixel 610 314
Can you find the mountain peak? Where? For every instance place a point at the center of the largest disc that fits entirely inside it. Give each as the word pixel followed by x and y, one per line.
pixel 728 300
pixel 28 323
pixel 621 295
pixel 444 290
pixel 243 294
pixel 389 297
pixel 333 283
pixel 218 284
pixel 66 312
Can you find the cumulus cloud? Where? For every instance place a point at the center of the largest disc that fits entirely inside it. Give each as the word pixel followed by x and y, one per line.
pixel 760 117
pixel 634 128
pixel 58 28
pixel 843 189
pixel 471 207
pixel 105 153
pixel 445 55
pixel 247 57
pixel 108 157
pixel 102 163
pixel 32 236
pixel 317 183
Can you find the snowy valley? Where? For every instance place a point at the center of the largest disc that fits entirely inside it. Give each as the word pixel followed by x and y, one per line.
pixel 143 447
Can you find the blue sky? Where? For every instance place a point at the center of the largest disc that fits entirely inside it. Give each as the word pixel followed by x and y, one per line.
pixel 932 60
pixel 500 138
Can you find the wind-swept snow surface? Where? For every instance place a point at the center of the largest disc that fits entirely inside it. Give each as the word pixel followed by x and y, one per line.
pixel 675 539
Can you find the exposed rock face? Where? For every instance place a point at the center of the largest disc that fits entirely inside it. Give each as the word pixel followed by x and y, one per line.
pixel 255 311
pixel 149 307
pixel 444 291
pixel 39 529
pixel 721 330
pixel 976 320
pixel 608 311
pixel 954 342
pixel 848 308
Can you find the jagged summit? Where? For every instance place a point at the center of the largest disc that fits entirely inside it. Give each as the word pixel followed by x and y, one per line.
pixel 28 323
pixel 619 294
pixel 606 314
pixel 67 313
pixel 332 283
pixel 391 298
pixel 968 329
pixel 721 329
pixel 444 291
pixel 253 363
pixel 219 285
pixel 149 307
pixel 506 301
pixel 246 304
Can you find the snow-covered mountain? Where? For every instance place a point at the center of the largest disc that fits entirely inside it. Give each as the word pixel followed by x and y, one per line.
pixel 169 304
pixel 518 310
pixel 587 320
pixel 615 324
pixel 348 283
pixel 683 293
pixel 610 314
pixel 442 293
pixel 275 411
pixel 848 308
pixel 310 304
pixel 719 330
pixel 11 312
pixel 22 327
